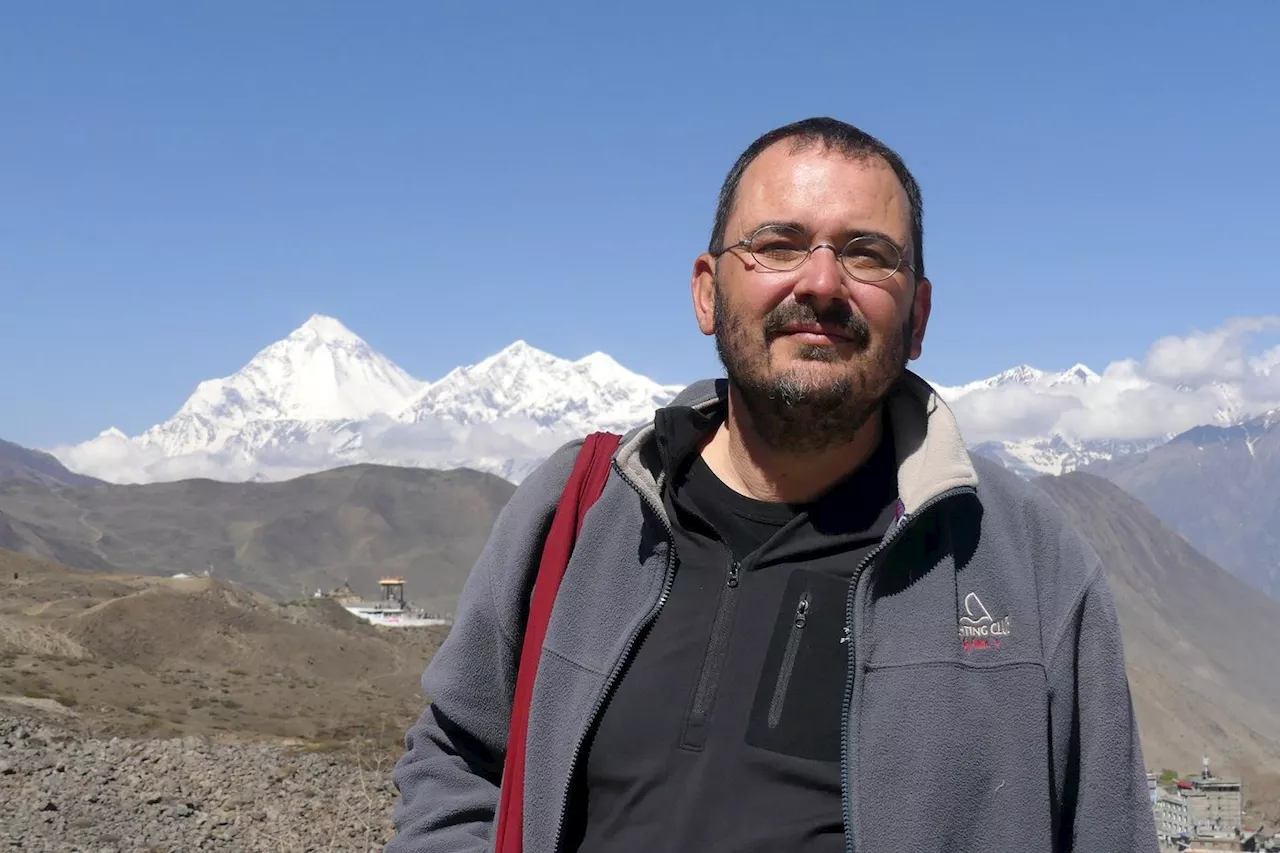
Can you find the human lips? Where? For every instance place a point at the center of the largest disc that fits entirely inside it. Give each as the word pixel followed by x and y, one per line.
pixel 817 332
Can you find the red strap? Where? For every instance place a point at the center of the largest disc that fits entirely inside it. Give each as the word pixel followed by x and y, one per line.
pixel 585 484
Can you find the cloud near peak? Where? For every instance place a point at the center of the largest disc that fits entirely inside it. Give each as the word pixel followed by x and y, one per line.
pixel 1203 377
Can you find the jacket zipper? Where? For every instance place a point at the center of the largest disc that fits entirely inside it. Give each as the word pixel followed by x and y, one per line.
pixel 626 652
pixel 851 653
pixel 788 660
pixel 704 695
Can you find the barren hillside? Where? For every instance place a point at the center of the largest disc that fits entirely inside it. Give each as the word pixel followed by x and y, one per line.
pixel 139 654
pixel 283 539
pixel 1201 646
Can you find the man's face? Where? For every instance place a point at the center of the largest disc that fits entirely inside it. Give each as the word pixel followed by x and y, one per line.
pixel 813 351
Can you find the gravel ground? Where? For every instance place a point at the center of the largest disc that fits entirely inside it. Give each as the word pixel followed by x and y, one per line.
pixel 61 790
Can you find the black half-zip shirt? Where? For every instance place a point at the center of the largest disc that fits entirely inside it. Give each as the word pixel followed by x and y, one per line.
pixel 723 733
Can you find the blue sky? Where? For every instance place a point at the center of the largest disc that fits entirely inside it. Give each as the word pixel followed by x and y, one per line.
pixel 184 183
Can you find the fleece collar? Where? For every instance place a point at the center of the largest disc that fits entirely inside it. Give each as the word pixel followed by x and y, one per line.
pixel 931 454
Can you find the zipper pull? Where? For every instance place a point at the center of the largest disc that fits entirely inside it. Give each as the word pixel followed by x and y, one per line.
pixel 846 634
pixel 802 611
pixel 733 573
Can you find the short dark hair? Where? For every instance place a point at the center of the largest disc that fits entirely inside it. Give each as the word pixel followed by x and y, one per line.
pixel 838 136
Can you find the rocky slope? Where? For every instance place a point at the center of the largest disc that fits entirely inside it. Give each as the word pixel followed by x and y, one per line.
pixel 63 789
pixel 148 714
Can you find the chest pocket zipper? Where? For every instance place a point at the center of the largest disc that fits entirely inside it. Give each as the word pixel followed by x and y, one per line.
pixel 788 660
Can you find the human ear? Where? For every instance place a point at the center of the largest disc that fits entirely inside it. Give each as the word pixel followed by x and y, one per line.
pixel 922 303
pixel 703 286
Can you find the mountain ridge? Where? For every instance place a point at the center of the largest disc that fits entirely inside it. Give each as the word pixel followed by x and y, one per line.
pixel 22 463
pixel 282 539
pixel 1217 487
pixel 322 397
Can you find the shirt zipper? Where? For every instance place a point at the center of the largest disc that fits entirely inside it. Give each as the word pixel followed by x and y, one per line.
pixel 626 652
pixel 850 635
pixel 704 694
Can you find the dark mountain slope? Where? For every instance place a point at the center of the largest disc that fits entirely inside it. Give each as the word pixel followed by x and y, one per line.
pixel 285 539
pixel 1201 646
pixel 1220 488
pixel 20 463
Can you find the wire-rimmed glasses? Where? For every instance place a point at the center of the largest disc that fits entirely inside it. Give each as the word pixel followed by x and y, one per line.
pixel 869 258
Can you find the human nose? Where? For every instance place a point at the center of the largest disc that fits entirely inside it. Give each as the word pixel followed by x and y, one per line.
pixel 821 278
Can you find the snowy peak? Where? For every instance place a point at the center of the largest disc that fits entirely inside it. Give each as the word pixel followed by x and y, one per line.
pixel 322 397
pixel 523 383
pixel 1077 374
pixel 514 357
pixel 1024 376
pixel 326 330
pixel 321 371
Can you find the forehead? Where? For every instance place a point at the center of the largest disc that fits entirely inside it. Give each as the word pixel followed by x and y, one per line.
pixel 824 190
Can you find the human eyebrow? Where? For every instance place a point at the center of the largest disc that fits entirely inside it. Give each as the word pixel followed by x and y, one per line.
pixel 747 233
pixel 855 233
pixel 879 235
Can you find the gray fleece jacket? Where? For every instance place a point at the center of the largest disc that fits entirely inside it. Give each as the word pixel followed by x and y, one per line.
pixel 987 706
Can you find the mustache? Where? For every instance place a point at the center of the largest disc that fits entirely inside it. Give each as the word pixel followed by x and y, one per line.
pixel 839 315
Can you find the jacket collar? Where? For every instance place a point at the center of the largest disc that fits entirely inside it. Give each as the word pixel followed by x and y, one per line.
pixel 932 458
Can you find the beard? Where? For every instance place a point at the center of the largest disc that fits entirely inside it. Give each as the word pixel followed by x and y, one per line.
pixel 791 409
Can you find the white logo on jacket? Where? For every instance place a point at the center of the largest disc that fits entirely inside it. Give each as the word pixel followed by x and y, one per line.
pixel 977 628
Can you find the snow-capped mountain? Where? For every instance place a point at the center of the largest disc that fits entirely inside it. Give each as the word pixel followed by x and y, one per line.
pixel 1047 454
pixel 1056 454
pixel 1023 375
pixel 321 372
pixel 322 397
pixel 1074 396
pixel 522 382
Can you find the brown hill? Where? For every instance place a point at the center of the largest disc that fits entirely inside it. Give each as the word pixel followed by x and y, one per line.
pixel 284 539
pixel 1200 645
pixel 202 656
pixel 20 463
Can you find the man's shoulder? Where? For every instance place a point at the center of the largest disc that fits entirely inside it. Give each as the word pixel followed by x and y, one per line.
pixel 538 493
pixel 1016 499
pixel 547 479
pixel 1042 549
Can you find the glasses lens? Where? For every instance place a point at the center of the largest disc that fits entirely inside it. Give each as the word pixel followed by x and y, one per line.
pixel 870 259
pixel 779 248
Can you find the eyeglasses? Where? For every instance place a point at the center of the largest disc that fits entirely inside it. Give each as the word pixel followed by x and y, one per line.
pixel 780 248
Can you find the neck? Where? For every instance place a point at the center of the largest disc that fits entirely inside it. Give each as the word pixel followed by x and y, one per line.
pixel 752 468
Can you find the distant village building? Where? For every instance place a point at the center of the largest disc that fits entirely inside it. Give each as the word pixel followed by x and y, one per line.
pixel 345 593
pixel 1201 813
pixel 1216 805
pixel 391 611
pixel 1173 819
pixel 1243 841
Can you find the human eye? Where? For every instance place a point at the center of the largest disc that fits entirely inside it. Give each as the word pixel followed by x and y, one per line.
pixel 870 254
pixel 779 245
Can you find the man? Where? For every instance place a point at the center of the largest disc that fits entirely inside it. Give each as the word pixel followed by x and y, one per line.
pixel 801 616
